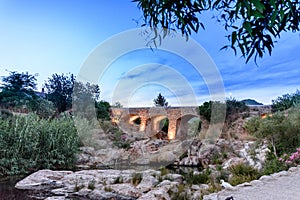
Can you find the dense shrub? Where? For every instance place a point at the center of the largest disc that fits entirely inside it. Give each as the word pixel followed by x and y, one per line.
pixel 218 109
pixel 233 108
pixel 200 178
pixel 242 173
pixel 119 138
pixel 29 143
pixel 282 132
pixel 103 110
pixel 286 101
pixel 273 165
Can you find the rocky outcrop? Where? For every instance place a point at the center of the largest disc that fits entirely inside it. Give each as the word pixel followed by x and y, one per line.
pixel 100 184
pixel 281 185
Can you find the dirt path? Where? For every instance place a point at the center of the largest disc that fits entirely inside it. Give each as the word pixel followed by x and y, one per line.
pixel 280 186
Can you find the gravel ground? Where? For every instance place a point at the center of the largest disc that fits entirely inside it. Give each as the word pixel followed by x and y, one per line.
pixel 284 185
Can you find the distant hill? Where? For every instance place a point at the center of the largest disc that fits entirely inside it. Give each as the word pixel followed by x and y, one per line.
pixel 251 102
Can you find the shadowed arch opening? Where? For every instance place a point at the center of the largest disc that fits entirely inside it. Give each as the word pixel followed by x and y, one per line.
pixel 187 126
pixel 135 120
pixel 159 123
pixel 131 122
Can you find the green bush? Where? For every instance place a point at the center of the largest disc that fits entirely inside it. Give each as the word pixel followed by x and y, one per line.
pixel 29 143
pixel 232 107
pixel 282 132
pixel 242 173
pixel 5 114
pixel 252 125
pixel 273 165
pixel 180 193
pixel 136 178
pixel 201 178
pixel 119 138
pixel 286 101
pixel 103 110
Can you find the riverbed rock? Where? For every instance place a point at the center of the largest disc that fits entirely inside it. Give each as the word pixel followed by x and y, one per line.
pixel 126 189
pixel 147 183
pixel 42 180
pixel 99 184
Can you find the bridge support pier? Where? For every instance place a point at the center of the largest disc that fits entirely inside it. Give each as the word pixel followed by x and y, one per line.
pixel 143 123
pixel 172 129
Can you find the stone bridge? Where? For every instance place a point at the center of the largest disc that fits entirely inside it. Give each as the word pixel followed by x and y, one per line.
pixel 148 119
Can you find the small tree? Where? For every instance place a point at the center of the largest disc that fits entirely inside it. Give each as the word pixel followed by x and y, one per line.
pixel 117 105
pixel 103 110
pixel 160 101
pixel 18 90
pixel 286 101
pixel 59 90
pixel 84 98
pixel 232 107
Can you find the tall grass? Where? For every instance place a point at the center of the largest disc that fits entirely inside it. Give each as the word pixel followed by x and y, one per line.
pixel 29 143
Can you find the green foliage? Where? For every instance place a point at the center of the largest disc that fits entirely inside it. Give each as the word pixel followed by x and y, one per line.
pixel 286 101
pixel 180 194
pixel 107 189
pixel 232 107
pixel 273 165
pixel 5 114
pixel 253 24
pixel 29 143
pixel 160 101
pixel 216 108
pixel 18 91
pixel 252 125
pixel 201 178
pixel 84 99
pixel 78 187
pixel 205 110
pixel 91 185
pixel 103 110
pixel 118 180
pixel 117 105
pixel 64 92
pixel 136 178
pixel 216 158
pixel 164 171
pixel 282 132
pixel 119 138
pixel 242 173
pixel 44 108
pixel 59 91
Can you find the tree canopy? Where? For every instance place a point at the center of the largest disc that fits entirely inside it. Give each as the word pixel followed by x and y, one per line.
pixel 59 90
pixel 286 101
pixel 18 90
pixel 160 101
pixel 253 25
pixel 84 98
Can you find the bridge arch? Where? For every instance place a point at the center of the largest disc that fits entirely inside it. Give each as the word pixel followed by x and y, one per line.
pixel 187 126
pixel 156 123
pixel 151 118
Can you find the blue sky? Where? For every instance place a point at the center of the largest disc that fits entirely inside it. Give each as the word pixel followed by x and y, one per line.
pixel 47 37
